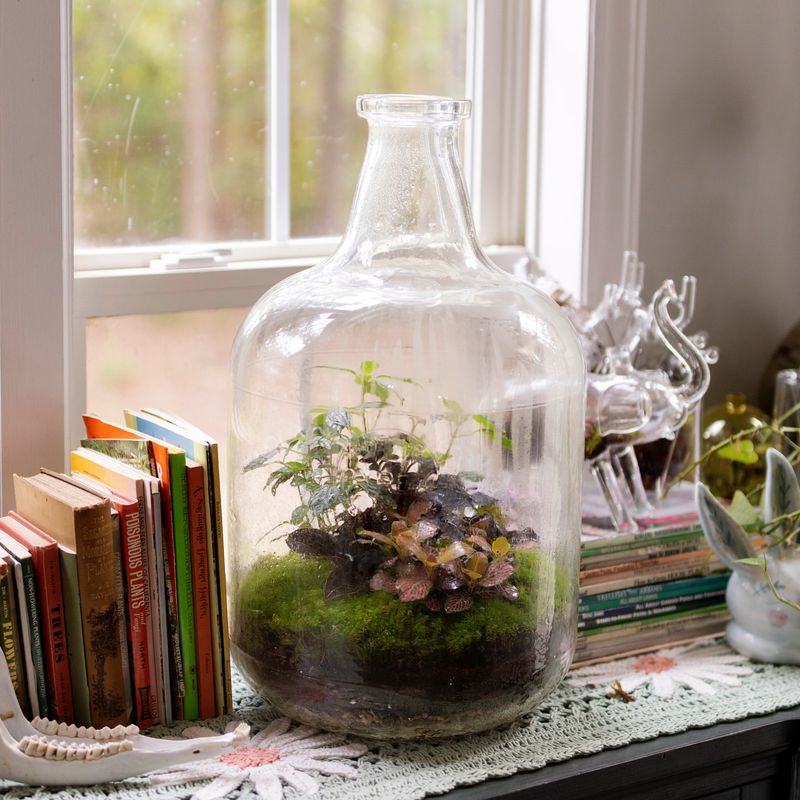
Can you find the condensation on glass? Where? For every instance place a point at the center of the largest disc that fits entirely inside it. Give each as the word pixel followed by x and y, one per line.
pixel 406 442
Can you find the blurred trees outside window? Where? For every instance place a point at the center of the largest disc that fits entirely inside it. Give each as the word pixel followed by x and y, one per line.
pixel 171 98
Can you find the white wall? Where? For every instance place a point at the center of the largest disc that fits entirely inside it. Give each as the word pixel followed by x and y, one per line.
pixel 720 191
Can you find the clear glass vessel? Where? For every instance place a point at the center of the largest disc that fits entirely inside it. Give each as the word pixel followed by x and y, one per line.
pixel 406 449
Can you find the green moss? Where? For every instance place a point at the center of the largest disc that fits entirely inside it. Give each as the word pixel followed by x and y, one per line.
pixel 281 598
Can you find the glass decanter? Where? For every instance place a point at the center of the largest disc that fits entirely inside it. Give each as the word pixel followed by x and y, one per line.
pixel 405 463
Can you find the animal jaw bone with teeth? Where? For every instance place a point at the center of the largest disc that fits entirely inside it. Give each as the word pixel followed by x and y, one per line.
pixel 48 753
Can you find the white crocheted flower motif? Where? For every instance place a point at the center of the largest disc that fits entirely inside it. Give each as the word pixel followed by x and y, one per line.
pixel 276 755
pixel 692 666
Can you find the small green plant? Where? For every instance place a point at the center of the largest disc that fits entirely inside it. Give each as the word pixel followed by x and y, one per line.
pixel 384 511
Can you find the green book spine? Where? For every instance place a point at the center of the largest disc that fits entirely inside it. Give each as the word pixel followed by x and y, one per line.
pixel 653 593
pixel 35 628
pixel 183 579
pixel 634 541
pixel 75 645
pixel 676 615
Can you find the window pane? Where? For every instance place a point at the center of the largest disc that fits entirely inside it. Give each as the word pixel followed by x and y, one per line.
pixel 169 111
pixel 177 362
pixel 343 48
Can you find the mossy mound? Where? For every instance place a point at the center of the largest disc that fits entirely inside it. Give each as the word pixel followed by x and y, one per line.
pixel 282 598
pixel 373 665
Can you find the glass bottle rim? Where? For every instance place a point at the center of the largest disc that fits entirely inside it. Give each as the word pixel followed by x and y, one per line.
pixel 411 108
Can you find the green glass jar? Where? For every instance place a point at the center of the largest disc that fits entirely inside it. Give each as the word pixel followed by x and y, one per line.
pixel 740 464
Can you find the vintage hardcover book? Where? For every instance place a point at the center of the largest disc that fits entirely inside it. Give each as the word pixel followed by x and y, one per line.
pixel 135 559
pixel 120 480
pixel 205 451
pixel 46 566
pixel 10 634
pixel 26 588
pixel 98 428
pixel 198 534
pixel 82 522
pixel 75 644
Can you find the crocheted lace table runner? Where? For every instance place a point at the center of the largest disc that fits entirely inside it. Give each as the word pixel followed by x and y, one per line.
pixel 574 720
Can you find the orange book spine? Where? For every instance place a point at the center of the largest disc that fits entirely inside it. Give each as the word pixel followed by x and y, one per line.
pixel 47 570
pixel 198 537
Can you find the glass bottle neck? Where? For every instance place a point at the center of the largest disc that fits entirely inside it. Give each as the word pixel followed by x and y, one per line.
pixel 411 198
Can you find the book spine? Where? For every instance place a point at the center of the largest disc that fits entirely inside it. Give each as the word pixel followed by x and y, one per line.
pixel 119 582
pixel 643 553
pixel 159 574
pixel 621 544
pixel 651 565
pixel 215 499
pixel 175 658
pixel 654 592
pixel 134 551
pixel 631 580
pixel 636 625
pixel 183 565
pixel 59 696
pixel 35 628
pixel 201 588
pixel 73 623
pixel 10 635
pixel 668 606
pixel 102 615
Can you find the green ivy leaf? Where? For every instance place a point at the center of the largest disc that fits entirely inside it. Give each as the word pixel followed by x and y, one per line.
pixel 741 451
pixel 743 511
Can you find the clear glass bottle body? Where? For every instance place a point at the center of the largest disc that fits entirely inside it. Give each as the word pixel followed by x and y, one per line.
pixel 406 448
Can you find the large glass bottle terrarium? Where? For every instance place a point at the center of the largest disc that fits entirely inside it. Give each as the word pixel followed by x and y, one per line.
pixel 406 449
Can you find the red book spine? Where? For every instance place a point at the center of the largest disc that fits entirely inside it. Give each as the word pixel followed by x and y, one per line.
pixel 137 580
pixel 47 570
pixel 198 537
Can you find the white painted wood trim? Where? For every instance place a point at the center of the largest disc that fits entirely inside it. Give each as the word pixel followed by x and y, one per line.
pixel 614 154
pixel 36 233
pixel 558 164
pixel 497 83
pixel 279 121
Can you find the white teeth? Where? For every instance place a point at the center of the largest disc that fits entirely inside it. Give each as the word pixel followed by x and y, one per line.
pixel 126 746
pixel 132 730
pixel 61 752
pixel 119 732
pixel 63 727
pixel 80 752
pixel 36 722
pixel 72 730
pixel 52 726
pixel 112 748
pixel 41 747
pixel 81 732
pixel 52 749
pixel 104 734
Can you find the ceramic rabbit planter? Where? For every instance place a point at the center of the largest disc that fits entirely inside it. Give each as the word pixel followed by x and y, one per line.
pixel 763 628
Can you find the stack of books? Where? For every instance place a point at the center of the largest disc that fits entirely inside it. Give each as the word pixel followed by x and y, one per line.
pixel 657 587
pixel 112 579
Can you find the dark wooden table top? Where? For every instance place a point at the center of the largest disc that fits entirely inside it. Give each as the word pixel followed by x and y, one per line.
pixel 755 759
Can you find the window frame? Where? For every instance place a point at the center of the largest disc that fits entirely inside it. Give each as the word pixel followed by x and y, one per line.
pixel 514 157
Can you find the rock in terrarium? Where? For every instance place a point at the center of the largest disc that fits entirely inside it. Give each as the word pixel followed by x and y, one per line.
pixel 407 439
